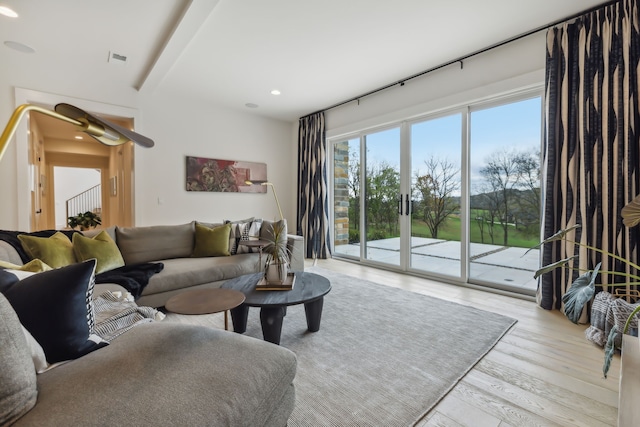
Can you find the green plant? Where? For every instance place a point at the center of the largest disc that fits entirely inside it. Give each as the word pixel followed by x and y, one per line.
pixel 277 251
pixel 84 220
pixel 582 289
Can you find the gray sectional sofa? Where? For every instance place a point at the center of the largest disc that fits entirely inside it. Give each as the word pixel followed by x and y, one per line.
pixel 156 373
pixel 172 245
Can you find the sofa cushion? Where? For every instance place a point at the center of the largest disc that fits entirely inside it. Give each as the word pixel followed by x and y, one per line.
pixel 56 308
pixel 154 243
pixel 185 272
pixel 211 241
pixel 101 247
pixel 163 374
pixel 55 251
pixel 19 392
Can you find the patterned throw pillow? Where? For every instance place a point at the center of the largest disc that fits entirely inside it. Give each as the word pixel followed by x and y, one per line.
pixel 239 231
pixel 56 307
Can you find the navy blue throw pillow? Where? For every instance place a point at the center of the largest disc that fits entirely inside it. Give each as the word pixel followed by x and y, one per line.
pixel 7 280
pixel 56 308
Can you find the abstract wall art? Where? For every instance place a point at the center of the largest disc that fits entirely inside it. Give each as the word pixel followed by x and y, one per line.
pixel 228 176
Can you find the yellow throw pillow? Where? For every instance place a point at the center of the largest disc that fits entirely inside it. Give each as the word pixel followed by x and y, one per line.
pixel 101 247
pixel 211 241
pixel 33 266
pixel 55 251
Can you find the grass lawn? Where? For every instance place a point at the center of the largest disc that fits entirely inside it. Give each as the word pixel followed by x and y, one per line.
pixel 451 231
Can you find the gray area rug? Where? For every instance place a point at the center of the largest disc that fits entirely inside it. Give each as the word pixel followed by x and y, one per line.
pixel 383 356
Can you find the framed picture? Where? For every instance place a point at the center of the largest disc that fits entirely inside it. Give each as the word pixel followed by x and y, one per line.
pixel 228 176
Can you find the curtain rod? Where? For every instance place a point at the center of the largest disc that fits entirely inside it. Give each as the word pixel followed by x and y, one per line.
pixel 462 58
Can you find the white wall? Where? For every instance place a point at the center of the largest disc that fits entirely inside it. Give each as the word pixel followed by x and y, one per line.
pixel 182 129
pixel 515 66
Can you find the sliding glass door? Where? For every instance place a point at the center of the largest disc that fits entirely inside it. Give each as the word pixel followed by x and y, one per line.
pixel 436 221
pixel 453 196
pixel 365 192
pixel 505 200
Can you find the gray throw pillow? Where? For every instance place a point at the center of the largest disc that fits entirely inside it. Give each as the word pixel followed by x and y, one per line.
pixel 19 392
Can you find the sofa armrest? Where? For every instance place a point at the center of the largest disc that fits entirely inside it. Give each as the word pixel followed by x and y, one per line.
pixel 9 254
pixel 296 246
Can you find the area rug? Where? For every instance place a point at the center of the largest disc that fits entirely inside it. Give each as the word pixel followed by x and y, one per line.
pixel 383 356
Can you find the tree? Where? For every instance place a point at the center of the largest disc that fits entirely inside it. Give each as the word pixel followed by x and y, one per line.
pixel 528 198
pixel 507 173
pixel 353 184
pixel 382 187
pixel 435 189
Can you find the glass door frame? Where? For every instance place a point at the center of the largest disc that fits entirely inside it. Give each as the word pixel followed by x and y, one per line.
pixel 465 109
pixel 464 193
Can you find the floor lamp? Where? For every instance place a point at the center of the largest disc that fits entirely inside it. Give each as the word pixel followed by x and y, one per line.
pixel 273 187
pixel 102 130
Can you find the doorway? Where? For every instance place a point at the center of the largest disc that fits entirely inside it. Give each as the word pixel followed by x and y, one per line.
pixel 76 190
pixel 41 145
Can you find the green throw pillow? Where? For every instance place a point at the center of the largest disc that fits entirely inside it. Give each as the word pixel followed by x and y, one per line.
pixel 211 241
pixel 101 247
pixel 55 251
pixel 33 266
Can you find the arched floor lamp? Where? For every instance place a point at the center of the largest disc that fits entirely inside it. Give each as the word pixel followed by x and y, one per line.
pixel 273 187
pixel 102 130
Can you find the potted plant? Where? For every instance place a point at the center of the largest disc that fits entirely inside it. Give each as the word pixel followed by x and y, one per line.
pixel 84 221
pixel 582 289
pixel 278 255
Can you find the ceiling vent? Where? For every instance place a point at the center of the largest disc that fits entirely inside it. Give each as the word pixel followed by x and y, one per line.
pixel 117 58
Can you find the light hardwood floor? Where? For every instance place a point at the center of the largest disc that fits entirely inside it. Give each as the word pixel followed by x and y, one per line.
pixel 543 372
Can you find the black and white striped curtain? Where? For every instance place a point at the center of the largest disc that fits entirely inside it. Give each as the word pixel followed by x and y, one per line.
pixel 313 200
pixel 592 126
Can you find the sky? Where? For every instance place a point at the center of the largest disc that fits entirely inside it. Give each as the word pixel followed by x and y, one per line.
pixel 514 126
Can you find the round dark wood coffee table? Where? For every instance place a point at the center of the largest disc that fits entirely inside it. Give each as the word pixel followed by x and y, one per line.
pixel 205 301
pixel 309 289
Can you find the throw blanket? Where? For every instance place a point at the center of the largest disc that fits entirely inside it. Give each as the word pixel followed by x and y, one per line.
pixel 133 277
pixel 115 314
pixel 608 310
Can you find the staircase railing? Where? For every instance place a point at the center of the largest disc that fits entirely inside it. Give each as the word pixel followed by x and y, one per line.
pixel 88 200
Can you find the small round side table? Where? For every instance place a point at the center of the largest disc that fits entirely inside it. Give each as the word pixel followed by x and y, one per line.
pixel 205 301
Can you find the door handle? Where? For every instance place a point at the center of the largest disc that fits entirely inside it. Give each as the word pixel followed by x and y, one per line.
pixel 407 208
pixel 39 211
pixel 400 205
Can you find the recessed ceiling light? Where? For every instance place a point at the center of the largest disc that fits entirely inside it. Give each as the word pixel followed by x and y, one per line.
pixel 4 10
pixel 78 137
pixel 19 47
pixel 275 92
pixel 251 105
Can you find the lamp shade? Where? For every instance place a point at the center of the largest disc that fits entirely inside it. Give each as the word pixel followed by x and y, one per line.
pixel 112 133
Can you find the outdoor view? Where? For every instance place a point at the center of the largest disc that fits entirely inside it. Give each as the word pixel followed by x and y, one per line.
pixel 503 185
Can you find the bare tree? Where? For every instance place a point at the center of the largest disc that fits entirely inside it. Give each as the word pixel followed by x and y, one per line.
pixel 436 187
pixel 506 174
pixel 528 200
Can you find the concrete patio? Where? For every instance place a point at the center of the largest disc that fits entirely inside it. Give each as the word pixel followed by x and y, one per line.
pixel 505 266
